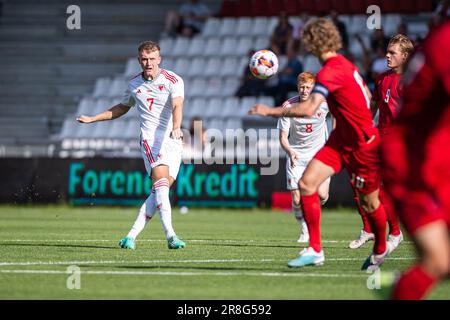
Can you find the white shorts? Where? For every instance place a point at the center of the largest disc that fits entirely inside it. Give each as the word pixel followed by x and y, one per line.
pixel 166 153
pixel 293 174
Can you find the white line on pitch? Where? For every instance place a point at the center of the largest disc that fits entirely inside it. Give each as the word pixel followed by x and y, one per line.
pixel 93 262
pixel 169 273
pixel 162 240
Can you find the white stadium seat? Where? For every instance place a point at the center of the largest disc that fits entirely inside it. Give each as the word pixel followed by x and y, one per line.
pixel 197 108
pixel 230 68
pixel 229 47
pixel 101 87
pixel 230 87
pixel 196 47
pixel 246 104
pixel 198 88
pixel 196 67
pixel 244 45
pixel 118 87
pixel 211 27
pixel 214 67
pixel 228 27
pixel 166 46
pixel 213 107
pixel 261 42
pixel 311 64
pixel 132 68
pixel 231 106
pixel 181 66
pixel 86 106
pixel 243 26
pixel 117 129
pixel 212 47
pixel 260 27
pixel 267 101
pixel 180 46
pixel 214 87
pixel 167 63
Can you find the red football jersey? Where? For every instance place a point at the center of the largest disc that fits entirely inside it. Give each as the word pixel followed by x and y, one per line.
pixel 341 84
pixel 388 91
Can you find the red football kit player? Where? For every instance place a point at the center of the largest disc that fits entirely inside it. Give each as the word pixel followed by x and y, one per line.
pixel 353 144
pixel 386 100
pixel 416 167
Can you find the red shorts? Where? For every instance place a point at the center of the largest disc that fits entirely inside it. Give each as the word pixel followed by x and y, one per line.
pixel 416 172
pixel 362 164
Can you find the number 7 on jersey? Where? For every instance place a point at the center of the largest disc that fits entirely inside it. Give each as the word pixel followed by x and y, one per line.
pixel 151 100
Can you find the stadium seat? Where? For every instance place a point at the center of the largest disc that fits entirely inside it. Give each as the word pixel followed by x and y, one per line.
pixel 86 106
pixel 230 87
pixel 261 43
pixel 282 61
pixel 230 106
pixel 233 123
pixel 211 27
pixel 245 105
pixel 390 23
pixel 217 123
pixel 212 47
pixel 116 129
pixel 214 107
pixel 291 7
pixel 270 101
pixel 197 108
pixel 132 130
pixel 243 46
pixel 101 88
pixel 323 6
pixel 118 87
pixel 166 46
pixel 82 130
pixel 198 88
pixel 180 46
pixel 358 25
pixel 214 66
pixel 101 105
pixel 100 129
pixel 69 127
pixel 243 26
pixel 167 63
pixel 311 64
pixel 260 27
pixel 181 66
pixel 132 68
pixel 357 7
pixel 230 67
pixel 196 67
pixel 214 87
pixel 419 29
pixel 228 47
pixel 196 47
pixel 227 27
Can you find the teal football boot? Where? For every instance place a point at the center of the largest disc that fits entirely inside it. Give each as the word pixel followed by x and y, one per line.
pixel 175 243
pixel 127 243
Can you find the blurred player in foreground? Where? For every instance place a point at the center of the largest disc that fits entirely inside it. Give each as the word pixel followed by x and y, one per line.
pixel 386 100
pixel 301 138
pixel 416 167
pixel 158 94
pixel 354 143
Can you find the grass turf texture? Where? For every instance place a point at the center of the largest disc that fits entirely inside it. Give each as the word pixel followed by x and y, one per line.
pixel 230 254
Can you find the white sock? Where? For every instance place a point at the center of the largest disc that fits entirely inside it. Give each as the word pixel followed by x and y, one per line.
pixel 298 214
pixel 163 206
pixel 146 212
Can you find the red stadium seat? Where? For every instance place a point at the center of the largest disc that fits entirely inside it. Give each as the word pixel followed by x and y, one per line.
pixel 291 7
pixel 406 6
pixel 424 5
pixel 243 8
pixel 273 7
pixel 389 6
pixel 261 8
pixel 228 8
pixel 308 6
pixel 358 6
pixel 341 6
pixel 323 6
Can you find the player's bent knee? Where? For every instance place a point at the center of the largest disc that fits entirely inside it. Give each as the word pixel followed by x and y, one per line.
pixel 306 188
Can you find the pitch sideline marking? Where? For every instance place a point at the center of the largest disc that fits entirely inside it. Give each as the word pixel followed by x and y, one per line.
pixel 169 273
pixel 93 262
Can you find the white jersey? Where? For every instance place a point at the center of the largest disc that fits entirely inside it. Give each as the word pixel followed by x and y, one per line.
pixel 307 135
pixel 153 99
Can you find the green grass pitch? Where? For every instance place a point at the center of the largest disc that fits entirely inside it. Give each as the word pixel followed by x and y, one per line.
pixel 230 254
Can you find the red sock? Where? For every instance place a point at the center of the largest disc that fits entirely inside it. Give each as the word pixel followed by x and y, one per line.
pixel 414 284
pixel 392 217
pixel 377 220
pixel 312 212
pixel 366 224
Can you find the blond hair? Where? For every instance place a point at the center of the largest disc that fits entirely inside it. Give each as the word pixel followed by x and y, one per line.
pixel 148 46
pixel 406 46
pixel 306 77
pixel 320 36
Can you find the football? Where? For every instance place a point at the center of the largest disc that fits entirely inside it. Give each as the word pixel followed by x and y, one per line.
pixel 264 64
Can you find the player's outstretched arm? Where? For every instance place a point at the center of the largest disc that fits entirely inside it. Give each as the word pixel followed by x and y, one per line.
pixel 110 114
pixel 303 109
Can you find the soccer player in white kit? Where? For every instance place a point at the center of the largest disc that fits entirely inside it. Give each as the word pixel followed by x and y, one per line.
pixel 158 94
pixel 301 138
